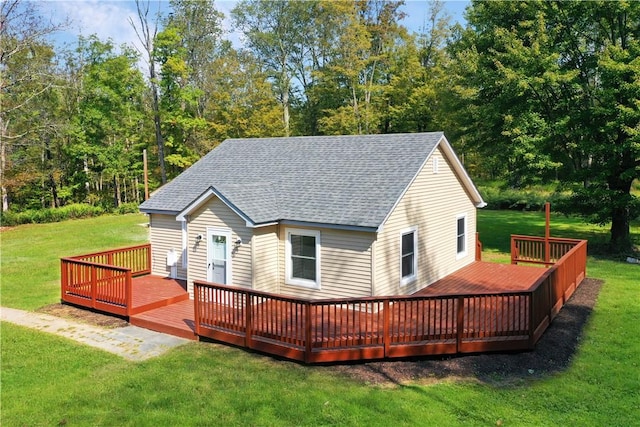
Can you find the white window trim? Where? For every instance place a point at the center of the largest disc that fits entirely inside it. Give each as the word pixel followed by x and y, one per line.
pixel 185 236
pixel 436 164
pixel 289 280
pixel 463 253
pixel 412 278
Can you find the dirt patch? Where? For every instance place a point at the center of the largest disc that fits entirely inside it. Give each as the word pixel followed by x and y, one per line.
pixel 83 315
pixel 553 353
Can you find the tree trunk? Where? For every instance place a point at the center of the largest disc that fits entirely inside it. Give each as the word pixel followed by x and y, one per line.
pixel 620 234
pixel 285 112
pixel 54 190
pixel 157 123
pixel 116 192
pixel 147 37
pixel 3 165
pixel 620 213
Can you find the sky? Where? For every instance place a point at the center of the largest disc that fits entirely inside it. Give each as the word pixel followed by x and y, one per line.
pixel 110 18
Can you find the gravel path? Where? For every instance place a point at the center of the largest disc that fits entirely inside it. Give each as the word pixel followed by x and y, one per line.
pixel 130 342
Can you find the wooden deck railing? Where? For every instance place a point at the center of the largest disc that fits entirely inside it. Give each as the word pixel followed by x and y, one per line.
pixel 538 250
pixel 135 258
pixel 102 280
pixel 317 331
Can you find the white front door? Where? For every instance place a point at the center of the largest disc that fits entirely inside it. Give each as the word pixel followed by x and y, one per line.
pixel 219 256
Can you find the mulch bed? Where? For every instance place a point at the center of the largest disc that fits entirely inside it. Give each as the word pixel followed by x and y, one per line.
pixel 553 353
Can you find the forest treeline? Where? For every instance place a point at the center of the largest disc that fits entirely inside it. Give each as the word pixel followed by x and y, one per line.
pixel 527 92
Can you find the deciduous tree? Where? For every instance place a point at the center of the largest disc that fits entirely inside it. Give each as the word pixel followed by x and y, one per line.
pixel 556 85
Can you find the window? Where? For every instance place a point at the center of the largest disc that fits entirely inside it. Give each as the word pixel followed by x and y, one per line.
pixel 461 234
pixel 302 251
pixel 408 255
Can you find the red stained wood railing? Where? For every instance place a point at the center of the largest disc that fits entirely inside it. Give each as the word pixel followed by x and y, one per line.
pixel 102 280
pixel 135 258
pixel 538 250
pixel 331 330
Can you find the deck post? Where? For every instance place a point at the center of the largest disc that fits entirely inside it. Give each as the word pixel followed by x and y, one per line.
pixel 460 323
pixel 532 311
pixel 248 341
pixel 94 286
pixel 128 293
pixel 386 335
pixel 514 250
pixel 196 308
pixel 547 233
pixel 553 282
pixel 478 247
pixel 148 252
pixel 64 278
pixel 307 332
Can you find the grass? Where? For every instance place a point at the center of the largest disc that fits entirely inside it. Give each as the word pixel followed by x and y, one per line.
pixel 30 256
pixel 48 380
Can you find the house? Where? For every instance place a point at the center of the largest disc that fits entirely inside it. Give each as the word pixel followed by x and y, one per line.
pixel 319 216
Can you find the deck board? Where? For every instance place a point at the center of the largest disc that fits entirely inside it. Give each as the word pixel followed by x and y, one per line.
pixel 150 288
pixel 482 277
pixel 175 319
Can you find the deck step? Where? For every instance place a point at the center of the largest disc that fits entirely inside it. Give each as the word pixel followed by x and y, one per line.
pixel 160 303
pixel 174 319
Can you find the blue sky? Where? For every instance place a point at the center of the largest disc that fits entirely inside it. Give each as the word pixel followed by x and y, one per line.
pixel 110 18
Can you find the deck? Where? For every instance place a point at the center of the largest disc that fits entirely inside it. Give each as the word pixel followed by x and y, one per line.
pixel 175 319
pixel 482 307
pixel 169 310
pixel 484 277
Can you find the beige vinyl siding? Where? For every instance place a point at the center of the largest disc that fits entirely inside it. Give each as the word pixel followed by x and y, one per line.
pixel 432 204
pixel 165 234
pixel 214 213
pixel 265 259
pixel 345 265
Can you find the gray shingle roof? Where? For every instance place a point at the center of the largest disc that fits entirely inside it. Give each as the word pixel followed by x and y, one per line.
pixel 339 180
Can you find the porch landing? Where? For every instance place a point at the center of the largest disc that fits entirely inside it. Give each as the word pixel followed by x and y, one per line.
pixel 162 304
pixel 151 292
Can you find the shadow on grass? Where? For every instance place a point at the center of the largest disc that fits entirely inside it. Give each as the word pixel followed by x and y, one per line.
pixel 552 354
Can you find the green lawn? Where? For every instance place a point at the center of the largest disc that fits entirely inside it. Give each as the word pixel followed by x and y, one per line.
pixel 49 381
pixel 30 257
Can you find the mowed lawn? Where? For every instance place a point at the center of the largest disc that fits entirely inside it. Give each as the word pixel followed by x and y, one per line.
pixel 51 381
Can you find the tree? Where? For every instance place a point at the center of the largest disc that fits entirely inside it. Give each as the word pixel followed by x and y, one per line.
pixel 360 69
pixel 275 32
pixel 106 131
pixel 553 86
pixel 27 74
pixel 417 75
pixel 199 26
pixel 184 49
pixel 146 33
pixel 241 102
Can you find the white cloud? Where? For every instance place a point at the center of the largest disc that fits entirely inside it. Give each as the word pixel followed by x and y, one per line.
pixel 109 19
pixel 105 19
